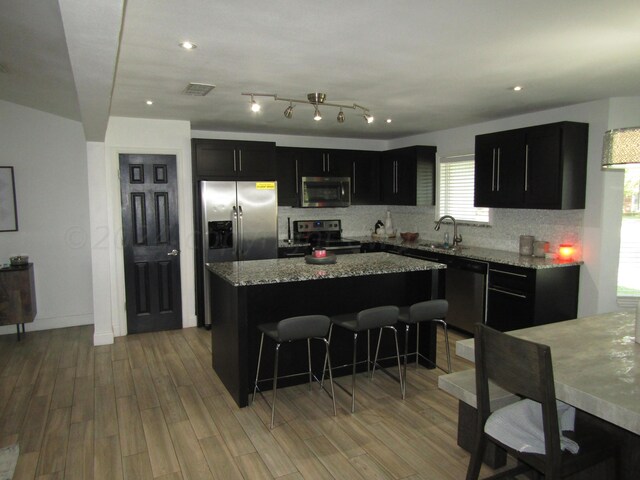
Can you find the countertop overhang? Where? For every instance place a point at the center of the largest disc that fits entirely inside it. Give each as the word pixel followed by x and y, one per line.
pixel 281 270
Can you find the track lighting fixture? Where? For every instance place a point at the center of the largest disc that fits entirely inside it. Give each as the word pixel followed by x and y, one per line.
pixel 316 99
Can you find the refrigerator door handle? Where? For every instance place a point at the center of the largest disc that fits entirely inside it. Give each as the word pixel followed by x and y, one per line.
pixel 234 235
pixel 240 234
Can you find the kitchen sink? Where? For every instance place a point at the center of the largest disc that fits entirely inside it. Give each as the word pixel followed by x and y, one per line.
pixel 441 246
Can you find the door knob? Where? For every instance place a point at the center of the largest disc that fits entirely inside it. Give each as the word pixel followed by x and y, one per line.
pixel 174 253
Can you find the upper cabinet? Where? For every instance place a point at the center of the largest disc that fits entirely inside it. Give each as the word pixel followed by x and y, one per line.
pixel 230 159
pixel 540 167
pixel 360 166
pixel 407 176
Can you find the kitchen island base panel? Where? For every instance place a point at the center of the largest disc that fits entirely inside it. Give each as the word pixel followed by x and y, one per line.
pixel 238 310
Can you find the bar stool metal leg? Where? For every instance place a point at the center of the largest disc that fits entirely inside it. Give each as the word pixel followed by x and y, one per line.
pixel 333 393
pixel 446 342
pixel 375 360
pixel 309 358
pixel 406 354
pixel 353 373
pixel 324 366
pixel 255 385
pixel 275 384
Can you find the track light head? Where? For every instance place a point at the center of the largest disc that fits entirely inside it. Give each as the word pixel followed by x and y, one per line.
pixel 255 106
pixel 317 117
pixel 340 116
pixel 368 117
pixel 288 112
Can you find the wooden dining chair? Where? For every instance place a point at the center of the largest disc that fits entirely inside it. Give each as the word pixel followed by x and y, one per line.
pixel 525 368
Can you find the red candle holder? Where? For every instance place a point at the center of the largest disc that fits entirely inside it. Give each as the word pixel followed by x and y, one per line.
pixel 565 251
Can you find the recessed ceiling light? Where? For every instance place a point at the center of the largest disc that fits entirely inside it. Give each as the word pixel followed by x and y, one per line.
pixel 517 88
pixel 388 120
pixel 188 45
pixel 149 102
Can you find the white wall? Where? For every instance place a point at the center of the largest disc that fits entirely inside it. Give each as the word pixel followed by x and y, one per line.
pixel 132 135
pixel 49 159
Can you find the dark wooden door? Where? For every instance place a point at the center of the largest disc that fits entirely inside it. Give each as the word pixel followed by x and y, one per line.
pixel 148 185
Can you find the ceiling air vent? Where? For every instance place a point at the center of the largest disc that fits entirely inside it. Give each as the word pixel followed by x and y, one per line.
pixel 198 89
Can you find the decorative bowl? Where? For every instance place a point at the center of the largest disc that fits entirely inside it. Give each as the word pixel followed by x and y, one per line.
pixel 409 236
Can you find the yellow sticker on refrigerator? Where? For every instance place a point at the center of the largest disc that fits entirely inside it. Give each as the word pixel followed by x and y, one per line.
pixel 265 185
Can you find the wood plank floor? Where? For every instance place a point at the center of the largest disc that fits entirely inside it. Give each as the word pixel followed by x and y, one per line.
pixel 151 407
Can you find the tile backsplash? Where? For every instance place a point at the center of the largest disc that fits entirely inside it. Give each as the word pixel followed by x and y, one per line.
pixel 553 226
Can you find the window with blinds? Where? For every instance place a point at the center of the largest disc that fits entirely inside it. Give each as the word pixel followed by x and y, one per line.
pixel 455 192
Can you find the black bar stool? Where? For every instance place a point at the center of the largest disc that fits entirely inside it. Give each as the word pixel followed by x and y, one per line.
pixel 427 311
pixel 292 329
pixel 366 320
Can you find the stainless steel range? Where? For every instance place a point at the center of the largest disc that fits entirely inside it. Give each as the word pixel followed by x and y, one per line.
pixel 325 234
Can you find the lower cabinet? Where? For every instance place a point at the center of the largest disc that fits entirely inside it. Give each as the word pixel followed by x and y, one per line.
pixel 524 297
pixel 516 297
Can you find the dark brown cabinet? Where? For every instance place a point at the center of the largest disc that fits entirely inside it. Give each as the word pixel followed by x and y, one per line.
pixel 516 297
pixel 324 163
pixel 229 159
pixel 17 296
pixel 365 177
pixel 361 166
pixel 535 167
pixel 524 297
pixel 407 176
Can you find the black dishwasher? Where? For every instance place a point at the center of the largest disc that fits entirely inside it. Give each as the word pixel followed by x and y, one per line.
pixel 465 288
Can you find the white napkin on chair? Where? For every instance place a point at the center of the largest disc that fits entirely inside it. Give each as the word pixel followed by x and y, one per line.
pixel 519 426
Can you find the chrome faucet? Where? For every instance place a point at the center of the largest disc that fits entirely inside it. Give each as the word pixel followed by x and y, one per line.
pixel 456 238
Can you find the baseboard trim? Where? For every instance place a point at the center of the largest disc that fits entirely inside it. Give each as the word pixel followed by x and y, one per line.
pixel 105 338
pixel 50 324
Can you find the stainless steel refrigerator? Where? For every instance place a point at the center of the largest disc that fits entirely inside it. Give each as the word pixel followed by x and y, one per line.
pixel 239 222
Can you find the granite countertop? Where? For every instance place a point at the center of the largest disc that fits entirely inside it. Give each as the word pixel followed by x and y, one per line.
pixel 596 364
pixel 281 270
pixel 476 253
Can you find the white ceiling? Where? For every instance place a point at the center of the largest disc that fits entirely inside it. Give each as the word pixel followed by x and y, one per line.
pixel 427 64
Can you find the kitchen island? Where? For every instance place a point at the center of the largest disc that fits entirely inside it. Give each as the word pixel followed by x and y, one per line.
pixel 247 293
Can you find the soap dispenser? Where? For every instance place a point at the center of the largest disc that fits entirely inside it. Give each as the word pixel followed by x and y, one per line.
pixel 388 224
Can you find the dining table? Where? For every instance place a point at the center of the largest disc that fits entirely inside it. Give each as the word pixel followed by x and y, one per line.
pixel 596 369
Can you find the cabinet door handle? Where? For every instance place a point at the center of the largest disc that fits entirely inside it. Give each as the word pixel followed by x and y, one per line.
pixel 240 159
pixel 493 169
pixel 395 176
pixel 499 290
pixel 234 160
pixel 498 172
pixel 328 163
pixel 526 167
pixel 507 273
pixel 353 190
pixel 297 178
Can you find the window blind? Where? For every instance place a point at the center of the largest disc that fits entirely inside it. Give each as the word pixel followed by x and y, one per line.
pixel 456 188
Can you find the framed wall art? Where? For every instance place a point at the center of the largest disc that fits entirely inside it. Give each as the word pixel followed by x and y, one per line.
pixel 8 209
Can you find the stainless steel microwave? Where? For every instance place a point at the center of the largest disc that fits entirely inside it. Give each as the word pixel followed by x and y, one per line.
pixel 325 192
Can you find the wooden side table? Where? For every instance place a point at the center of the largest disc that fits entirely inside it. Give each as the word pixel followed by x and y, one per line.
pixel 17 296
